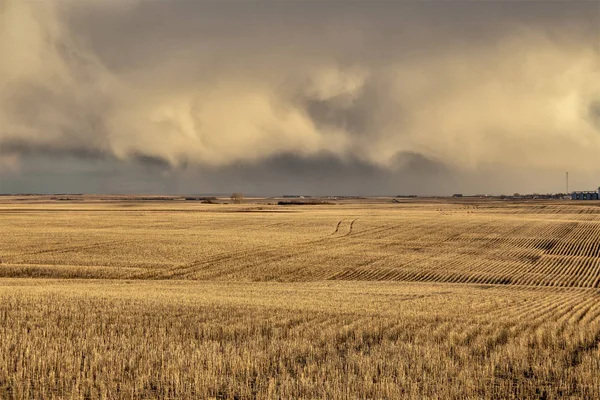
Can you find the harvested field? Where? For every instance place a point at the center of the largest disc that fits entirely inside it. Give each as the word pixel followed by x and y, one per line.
pixel 421 299
pixel 534 244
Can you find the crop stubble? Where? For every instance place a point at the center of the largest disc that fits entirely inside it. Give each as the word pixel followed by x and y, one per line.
pixel 357 300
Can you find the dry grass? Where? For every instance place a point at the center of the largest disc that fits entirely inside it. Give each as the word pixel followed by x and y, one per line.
pixel 281 302
pixel 290 340
pixel 488 243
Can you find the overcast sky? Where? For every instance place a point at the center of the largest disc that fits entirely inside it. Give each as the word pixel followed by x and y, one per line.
pixel 315 97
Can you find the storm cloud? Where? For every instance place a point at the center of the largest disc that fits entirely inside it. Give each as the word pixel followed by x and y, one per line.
pixel 370 96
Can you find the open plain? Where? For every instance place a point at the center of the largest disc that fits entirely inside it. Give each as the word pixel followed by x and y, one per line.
pixel 424 298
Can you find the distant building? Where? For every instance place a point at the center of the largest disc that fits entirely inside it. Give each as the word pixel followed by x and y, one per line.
pixel 457 195
pixel 586 195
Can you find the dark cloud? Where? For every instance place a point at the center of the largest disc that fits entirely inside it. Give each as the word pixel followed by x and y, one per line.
pixel 345 96
pixel 289 174
pixel 150 160
pixel 28 148
pixel 327 174
pixel 594 114
pixel 418 164
pixel 318 166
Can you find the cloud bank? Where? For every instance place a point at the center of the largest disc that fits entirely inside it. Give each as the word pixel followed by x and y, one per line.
pixel 429 89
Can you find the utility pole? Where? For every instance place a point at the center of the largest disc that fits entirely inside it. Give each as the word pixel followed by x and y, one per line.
pixel 567 182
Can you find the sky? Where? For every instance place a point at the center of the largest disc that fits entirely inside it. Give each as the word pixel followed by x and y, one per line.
pixel 332 97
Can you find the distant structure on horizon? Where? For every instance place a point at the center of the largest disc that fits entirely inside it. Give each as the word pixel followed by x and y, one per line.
pixel 586 195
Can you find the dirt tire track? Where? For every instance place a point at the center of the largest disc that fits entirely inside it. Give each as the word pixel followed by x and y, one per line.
pixel 70 249
pixel 351 227
pixel 337 228
pixel 271 255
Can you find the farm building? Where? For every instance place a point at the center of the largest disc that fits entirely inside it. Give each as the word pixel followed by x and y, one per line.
pixel 586 195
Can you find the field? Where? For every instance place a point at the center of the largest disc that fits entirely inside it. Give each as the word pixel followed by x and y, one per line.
pixel 358 299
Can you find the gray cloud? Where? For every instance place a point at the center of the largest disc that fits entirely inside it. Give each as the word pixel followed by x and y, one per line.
pixel 150 160
pixel 594 113
pixel 24 147
pixel 347 92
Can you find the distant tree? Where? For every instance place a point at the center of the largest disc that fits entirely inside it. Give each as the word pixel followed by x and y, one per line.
pixel 237 198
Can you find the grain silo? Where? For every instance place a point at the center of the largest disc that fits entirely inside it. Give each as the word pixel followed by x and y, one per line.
pixel 588 195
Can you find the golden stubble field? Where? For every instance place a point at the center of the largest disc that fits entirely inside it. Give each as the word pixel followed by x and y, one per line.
pixel 423 299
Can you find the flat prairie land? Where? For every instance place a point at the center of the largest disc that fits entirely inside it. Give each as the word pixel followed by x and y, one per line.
pixel 363 299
